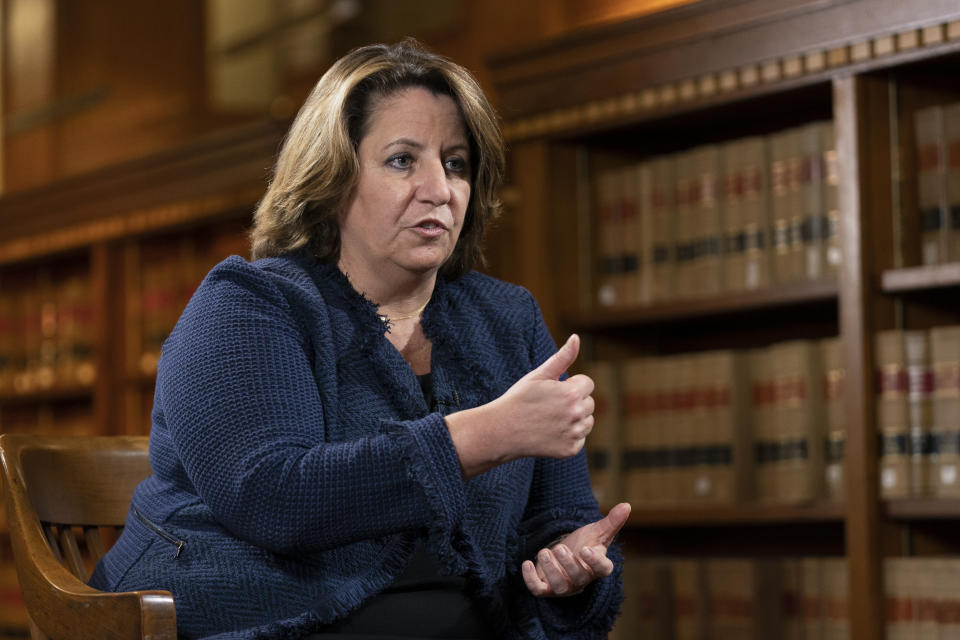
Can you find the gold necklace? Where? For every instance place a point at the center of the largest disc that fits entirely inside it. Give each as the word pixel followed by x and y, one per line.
pixel 415 314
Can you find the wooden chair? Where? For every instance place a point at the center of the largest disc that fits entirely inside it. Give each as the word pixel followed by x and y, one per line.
pixel 63 494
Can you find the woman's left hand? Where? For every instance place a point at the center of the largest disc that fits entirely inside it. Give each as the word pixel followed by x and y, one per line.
pixel 566 568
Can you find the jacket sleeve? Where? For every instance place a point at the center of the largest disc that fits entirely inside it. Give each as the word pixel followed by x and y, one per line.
pixel 238 395
pixel 561 501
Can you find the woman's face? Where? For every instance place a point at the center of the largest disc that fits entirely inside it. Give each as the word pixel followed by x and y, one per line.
pixel 407 209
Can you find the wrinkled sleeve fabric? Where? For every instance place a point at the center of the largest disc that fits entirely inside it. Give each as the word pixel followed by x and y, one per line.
pixel 240 399
pixel 561 501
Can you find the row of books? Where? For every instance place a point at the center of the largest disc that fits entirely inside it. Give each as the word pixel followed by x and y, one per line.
pixel 937 145
pixel 742 215
pixel 918 412
pixel 784 598
pixel 169 274
pixel 733 598
pixel 767 425
pixel 47 332
pixel 720 427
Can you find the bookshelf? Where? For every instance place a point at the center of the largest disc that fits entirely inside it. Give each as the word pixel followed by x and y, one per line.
pixel 710 75
pixel 94 271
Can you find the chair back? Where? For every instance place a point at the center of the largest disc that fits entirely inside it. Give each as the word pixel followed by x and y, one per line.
pixel 67 500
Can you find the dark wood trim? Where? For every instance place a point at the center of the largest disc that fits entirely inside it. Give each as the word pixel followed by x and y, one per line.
pixel 704 38
pixel 782 296
pixel 865 571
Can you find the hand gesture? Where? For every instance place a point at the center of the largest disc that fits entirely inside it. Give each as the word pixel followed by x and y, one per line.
pixel 539 416
pixel 547 417
pixel 579 559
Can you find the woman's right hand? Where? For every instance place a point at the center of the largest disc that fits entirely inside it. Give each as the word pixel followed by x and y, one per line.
pixel 539 416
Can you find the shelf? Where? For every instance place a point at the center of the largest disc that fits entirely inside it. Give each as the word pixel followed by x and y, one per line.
pixel 922 509
pixel 941 276
pixel 47 395
pixel 729 304
pixel 713 516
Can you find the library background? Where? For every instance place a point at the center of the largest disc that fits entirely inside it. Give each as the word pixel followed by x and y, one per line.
pixel 749 210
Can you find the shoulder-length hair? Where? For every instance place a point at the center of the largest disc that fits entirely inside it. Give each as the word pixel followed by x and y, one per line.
pixel 318 165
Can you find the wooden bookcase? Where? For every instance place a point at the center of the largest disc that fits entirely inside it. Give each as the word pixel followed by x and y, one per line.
pixel 712 72
pixel 95 270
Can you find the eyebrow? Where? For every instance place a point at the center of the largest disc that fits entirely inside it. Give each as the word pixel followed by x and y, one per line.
pixel 409 142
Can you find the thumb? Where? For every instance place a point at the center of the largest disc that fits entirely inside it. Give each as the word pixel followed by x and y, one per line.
pixel 559 362
pixel 609 527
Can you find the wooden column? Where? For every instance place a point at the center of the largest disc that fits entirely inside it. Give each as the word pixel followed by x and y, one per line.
pixel 861 114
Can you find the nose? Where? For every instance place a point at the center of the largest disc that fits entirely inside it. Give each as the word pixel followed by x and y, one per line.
pixel 434 186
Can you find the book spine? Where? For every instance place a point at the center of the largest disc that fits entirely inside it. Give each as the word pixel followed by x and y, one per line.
pixel 663 222
pixel 755 212
pixel 836 436
pixel 892 414
pixel 831 181
pixel 945 349
pixel 951 128
pixel 603 443
pixel 931 198
pixel 732 196
pixel 919 417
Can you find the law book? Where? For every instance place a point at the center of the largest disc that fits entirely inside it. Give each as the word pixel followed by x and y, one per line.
pixel 945 352
pixel 951 133
pixel 686 192
pixel 812 595
pixel 945 575
pixel 661 484
pixel 629 280
pixel 647 594
pixel 891 403
pixel 831 181
pixel 603 442
pixel 799 416
pixel 731 596
pixel 690 414
pixel 77 331
pixel 899 598
pixel 732 195
pixel 931 196
pixel 689 600
pixel 926 598
pixel 644 240
pixel 676 436
pixel 785 168
pixel 708 237
pixel 836 433
pixel 663 244
pixel 836 618
pixel 728 439
pixel 763 426
pixel 919 408
pixel 163 288
pixel 790 595
pixel 638 443
pixel 609 238
pixel 45 376
pixel 30 303
pixel 813 202
pixel 755 213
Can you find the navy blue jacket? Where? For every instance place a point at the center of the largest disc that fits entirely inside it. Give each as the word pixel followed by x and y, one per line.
pixel 295 462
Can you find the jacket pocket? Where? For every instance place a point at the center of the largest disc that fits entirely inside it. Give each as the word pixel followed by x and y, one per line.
pixel 172 539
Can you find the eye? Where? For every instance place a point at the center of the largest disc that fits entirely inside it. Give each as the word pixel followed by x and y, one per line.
pixel 400 160
pixel 456 164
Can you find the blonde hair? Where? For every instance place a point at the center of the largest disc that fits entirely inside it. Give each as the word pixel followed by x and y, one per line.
pixel 318 166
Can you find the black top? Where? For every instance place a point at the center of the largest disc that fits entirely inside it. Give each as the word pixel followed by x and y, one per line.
pixel 421 602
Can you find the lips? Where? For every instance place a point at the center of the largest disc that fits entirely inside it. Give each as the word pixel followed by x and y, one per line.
pixel 431 223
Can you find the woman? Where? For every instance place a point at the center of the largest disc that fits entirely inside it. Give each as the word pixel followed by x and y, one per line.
pixel 357 436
